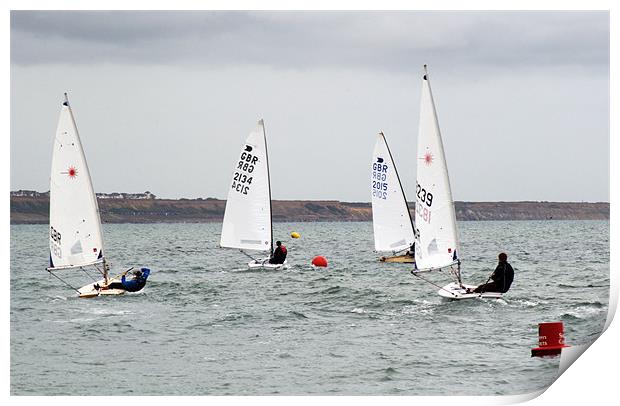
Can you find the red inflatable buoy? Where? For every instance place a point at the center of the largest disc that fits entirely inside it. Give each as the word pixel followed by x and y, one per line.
pixel 319 261
pixel 550 339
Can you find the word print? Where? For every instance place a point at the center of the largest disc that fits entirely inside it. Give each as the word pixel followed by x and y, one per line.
pixel 423 195
pixel 379 176
pixel 242 178
pixel 55 243
pixel 423 212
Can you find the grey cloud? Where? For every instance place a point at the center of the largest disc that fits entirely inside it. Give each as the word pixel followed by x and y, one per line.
pixel 193 84
pixel 305 40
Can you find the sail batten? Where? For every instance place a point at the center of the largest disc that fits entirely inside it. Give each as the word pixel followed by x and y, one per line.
pixel 247 218
pixel 392 225
pixel 437 243
pixel 75 236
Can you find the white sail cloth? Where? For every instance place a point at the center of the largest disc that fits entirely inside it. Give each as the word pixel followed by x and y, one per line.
pixel 391 220
pixel 437 243
pixel 75 227
pixel 247 219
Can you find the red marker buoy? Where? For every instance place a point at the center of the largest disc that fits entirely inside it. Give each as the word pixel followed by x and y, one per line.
pixel 319 261
pixel 550 339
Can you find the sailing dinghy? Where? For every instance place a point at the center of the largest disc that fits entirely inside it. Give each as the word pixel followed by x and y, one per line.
pixel 391 219
pixel 437 243
pixel 247 222
pixel 76 239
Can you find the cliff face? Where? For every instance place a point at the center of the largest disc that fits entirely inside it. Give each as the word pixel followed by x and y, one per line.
pixel 531 211
pixel 34 210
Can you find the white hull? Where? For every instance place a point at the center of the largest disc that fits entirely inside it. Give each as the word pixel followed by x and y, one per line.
pixel 90 291
pixel 456 292
pixel 263 263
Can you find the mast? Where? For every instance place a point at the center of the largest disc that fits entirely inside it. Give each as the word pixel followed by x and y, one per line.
pixel 446 173
pixel 399 182
pixel 106 271
pixel 268 183
pixel 437 234
pixel 106 265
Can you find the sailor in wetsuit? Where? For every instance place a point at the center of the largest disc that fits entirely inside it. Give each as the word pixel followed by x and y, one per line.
pixel 502 278
pixel 279 254
pixel 411 251
pixel 134 284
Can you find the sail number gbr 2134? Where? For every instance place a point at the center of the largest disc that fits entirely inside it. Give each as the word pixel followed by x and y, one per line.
pixel 242 178
pixel 424 202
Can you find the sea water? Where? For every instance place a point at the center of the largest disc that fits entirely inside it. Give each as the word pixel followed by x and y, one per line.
pixel 205 325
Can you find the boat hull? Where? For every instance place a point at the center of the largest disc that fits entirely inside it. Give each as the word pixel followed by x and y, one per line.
pixel 89 290
pixel 263 263
pixel 401 259
pixel 454 291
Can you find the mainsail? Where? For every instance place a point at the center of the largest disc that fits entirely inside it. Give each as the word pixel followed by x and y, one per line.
pixel 437 243
pixel 247 219
pixel 75 227
pixel 391 220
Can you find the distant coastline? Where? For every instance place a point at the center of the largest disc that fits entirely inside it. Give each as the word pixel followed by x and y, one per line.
pixel 29 207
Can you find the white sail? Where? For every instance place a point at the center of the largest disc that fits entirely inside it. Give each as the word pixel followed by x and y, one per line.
pixel 75 226
pixel 390 215
pixel 247 219
pixel 437 243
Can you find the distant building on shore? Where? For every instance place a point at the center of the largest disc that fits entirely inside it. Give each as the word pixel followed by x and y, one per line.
pixel 29 193
pixel 33 193
pixel 115 195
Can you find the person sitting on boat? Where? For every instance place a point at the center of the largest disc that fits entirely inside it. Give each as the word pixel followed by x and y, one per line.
pixel 135 284
pixel 279 254
pixel 502 277
pixel 411 251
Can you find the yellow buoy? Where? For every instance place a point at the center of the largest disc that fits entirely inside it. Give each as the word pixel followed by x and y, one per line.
pixel 295 234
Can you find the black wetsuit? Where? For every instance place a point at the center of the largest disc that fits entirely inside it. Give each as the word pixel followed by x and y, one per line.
pixel 502 278
pixel 279 255
pixel 133 285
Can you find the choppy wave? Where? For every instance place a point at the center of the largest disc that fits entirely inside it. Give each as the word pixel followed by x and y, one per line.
pixel 205 324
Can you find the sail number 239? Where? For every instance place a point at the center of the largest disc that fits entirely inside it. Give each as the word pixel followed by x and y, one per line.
pixel 423 195
pixel 424 199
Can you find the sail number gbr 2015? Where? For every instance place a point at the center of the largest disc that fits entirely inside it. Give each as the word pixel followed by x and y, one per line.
pixel 242 178
pixel 424 203
pixel 379 184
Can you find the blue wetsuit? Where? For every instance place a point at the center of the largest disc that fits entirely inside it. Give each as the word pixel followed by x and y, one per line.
pixel 136 284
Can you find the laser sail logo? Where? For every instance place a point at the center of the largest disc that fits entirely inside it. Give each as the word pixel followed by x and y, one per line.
pixel 72 172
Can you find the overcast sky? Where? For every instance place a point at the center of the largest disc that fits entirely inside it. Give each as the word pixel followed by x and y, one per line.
pixel 164 100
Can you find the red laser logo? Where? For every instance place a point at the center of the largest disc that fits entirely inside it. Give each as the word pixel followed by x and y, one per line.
pixel 428 158
pixel 72 172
